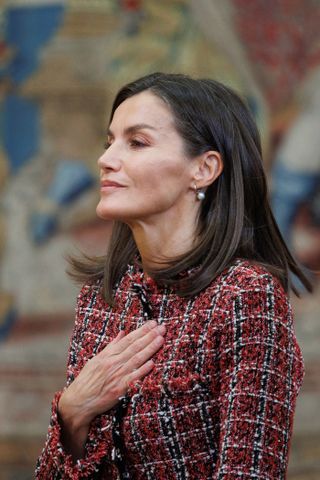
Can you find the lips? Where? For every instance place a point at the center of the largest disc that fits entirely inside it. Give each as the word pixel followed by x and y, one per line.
pixel 109 183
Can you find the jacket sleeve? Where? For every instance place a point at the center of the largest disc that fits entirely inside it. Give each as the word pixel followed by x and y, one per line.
pixel 54 463
pixel 261 370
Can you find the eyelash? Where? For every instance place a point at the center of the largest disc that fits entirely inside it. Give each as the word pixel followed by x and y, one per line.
pixel 137 144
pixel 133 144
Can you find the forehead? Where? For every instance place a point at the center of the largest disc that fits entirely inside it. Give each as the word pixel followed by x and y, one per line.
pixel 144 107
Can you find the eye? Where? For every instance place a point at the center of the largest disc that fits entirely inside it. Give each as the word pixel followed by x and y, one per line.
pixel 106 145
pixel 137 143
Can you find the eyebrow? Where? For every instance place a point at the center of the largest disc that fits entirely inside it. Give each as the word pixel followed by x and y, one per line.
pixel 133 129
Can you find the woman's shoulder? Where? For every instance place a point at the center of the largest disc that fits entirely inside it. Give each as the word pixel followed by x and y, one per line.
pixel 246 276
pixel 248 289
pixel 90 291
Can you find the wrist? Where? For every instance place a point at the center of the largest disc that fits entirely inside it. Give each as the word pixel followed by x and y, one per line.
pixel 74 430
pixel 71 416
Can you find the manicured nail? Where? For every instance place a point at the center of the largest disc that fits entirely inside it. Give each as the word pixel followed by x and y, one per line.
pixel 161 329
pixel 152 323
pixel 159 340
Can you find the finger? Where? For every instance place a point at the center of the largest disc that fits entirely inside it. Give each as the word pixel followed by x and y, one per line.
pixel 151 338
pixel 137 360
pixel 132 337
pixel 140 372
pixel 120 335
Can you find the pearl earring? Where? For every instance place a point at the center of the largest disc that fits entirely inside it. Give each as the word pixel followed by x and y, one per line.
pixel 199 193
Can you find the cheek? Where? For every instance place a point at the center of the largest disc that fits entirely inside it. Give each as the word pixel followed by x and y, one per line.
pixel 161 176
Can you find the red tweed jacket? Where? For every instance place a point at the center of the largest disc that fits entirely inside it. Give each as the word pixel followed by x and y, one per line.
pixel 219 403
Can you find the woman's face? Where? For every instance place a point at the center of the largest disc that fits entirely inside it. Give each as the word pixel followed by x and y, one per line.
pixel 144 171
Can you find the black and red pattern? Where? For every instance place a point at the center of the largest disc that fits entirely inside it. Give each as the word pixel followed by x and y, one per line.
pixel 219 403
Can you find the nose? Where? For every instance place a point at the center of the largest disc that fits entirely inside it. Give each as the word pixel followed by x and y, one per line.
pixel 109 160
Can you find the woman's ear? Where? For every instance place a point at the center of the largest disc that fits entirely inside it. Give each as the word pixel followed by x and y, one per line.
pixel 209 166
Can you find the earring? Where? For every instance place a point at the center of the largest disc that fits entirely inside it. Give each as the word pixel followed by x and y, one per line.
pixel 200 194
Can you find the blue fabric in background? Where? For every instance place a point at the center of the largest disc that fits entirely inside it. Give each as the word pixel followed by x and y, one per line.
pixel 71 179
pixel 21 130
pixel 27 30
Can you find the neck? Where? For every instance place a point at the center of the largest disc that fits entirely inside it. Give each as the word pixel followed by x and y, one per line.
pixel 159 242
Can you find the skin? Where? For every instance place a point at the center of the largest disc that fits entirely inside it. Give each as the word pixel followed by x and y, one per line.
pixel 145 155
pixel 104 379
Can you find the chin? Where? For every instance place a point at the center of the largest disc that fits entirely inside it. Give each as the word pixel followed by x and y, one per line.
pixel 108 216
pixel 111 213
pixel 103 213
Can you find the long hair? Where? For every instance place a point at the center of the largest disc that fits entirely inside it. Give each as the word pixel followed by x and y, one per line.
pixel 235 219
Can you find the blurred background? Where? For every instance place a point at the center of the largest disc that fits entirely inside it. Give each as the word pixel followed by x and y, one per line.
pixel 61 63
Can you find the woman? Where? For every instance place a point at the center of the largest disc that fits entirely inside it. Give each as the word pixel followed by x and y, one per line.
pixel 183 362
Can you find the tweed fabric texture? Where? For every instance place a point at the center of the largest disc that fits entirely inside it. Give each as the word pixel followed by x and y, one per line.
pixel 220 401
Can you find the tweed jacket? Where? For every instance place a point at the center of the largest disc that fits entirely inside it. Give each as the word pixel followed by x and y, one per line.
pixel 220 401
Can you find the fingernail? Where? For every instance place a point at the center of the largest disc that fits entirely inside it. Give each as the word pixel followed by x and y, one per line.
pixel 159 340
pixel 161 329
pixel 152 323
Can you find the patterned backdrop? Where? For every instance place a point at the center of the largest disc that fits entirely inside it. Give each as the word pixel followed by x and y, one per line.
pixel 60 64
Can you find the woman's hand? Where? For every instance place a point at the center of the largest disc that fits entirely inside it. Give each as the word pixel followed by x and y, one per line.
pixel 104 379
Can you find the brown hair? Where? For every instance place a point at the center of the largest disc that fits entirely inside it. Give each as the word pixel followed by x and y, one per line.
pixel 235 219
